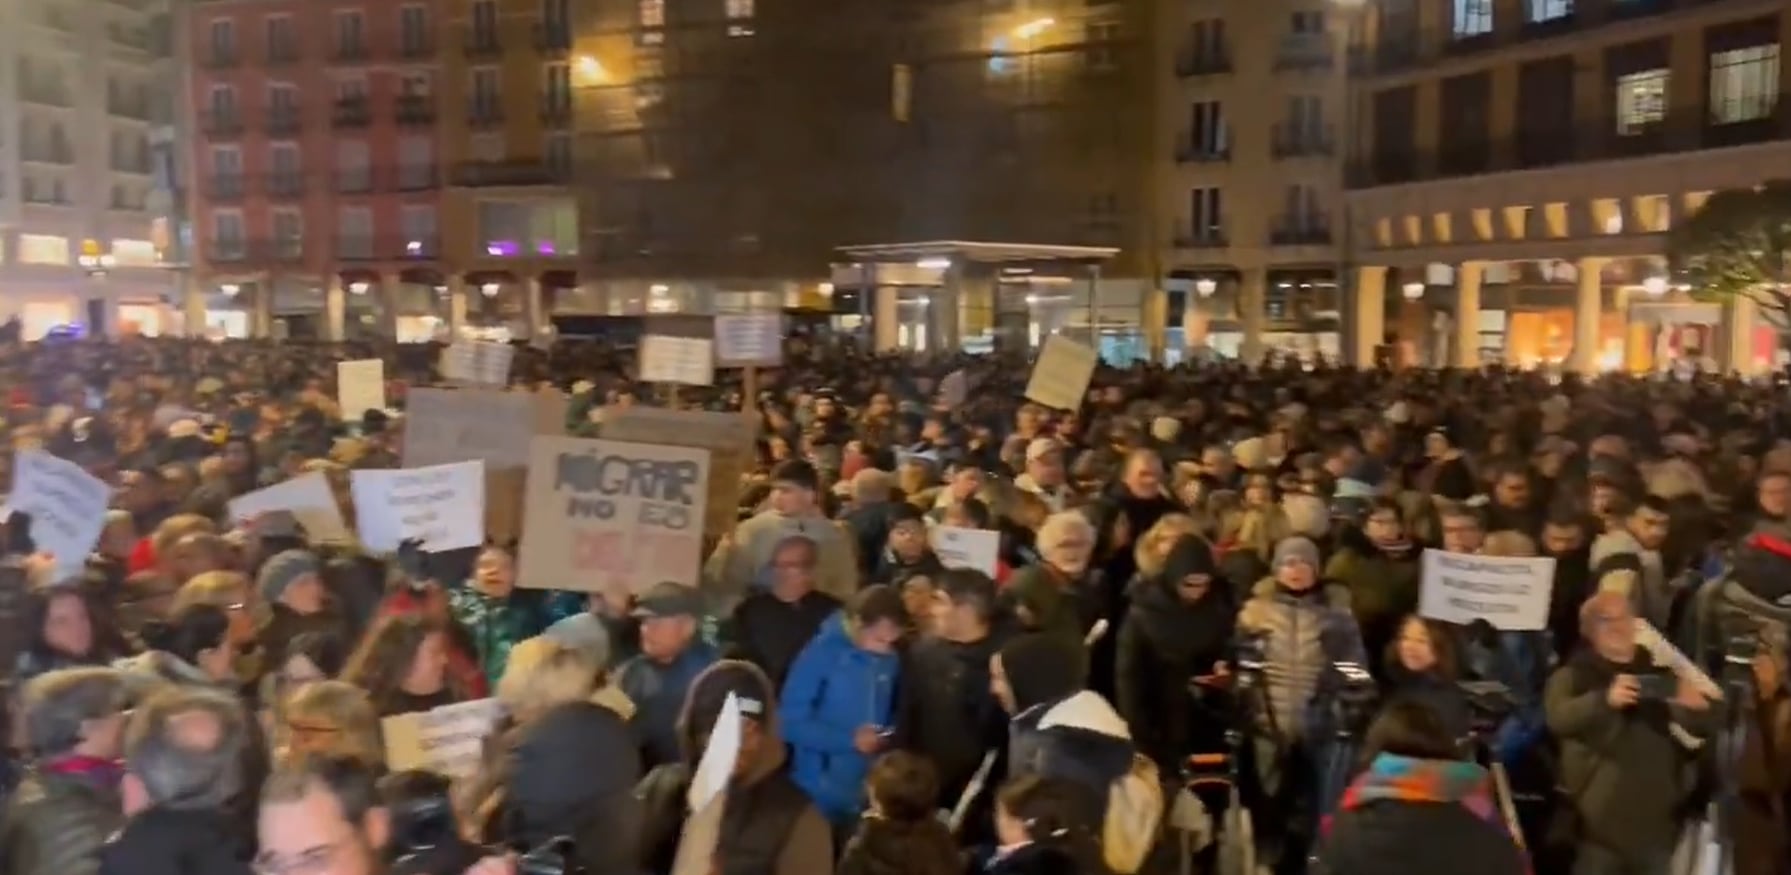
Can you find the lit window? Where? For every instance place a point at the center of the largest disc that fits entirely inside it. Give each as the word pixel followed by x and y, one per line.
pixel 1473 18
pixel 43 249
pixel 1744 84
pixel 1547 10
pixel 134 253
pixel 1641 101
pixel 739 11
pixel 652 13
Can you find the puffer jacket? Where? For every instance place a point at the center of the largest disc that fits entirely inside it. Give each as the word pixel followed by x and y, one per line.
pixel 56 824
pixel 1302 635
pixel 834 688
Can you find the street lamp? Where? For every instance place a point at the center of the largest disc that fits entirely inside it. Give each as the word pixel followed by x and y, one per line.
pixel 1412 291
pixel 230 290
pixel 358 288
pixel 1205 287
pixel 489 290
pixel 1655 286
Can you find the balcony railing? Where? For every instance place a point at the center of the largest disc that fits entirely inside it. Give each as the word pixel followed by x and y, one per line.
pixel 221 124
pixel 416 48
pixel 285 120
pixel 354 112
pixel 45 95
pixel 220 59
pixel 123 108
pixel 1297 231
pixel 1207 237
pixel 1305 51
pixel 284 185
pixel 415 110
pixel 280 54
pixel 385 247
pixel 137 165
pixel 556 111
pixel 483 44
pixel 484 112
pixel 354 180
pixel 255 252
pixel 552 38
pixel 1200 150
pixel 225 187
pixel 417 176
pixel 48 153
pixel 1189 63
pixel 501 174
pixel 1301 141
pixel 350 53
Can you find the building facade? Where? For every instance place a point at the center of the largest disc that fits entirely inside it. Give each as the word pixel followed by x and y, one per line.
pixel 318 178
pixel 727 148
pixel 1251 171
pixel 82 86
pixel 1519 164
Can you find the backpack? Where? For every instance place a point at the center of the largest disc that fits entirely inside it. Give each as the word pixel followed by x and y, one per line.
pixel 1134 814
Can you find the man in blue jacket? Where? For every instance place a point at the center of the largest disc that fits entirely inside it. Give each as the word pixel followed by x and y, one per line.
pixel 671 656
pixel 838 704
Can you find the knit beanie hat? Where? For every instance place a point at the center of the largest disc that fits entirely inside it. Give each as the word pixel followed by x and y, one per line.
pixel 283 571
pixel 1296 549
pixel 585 633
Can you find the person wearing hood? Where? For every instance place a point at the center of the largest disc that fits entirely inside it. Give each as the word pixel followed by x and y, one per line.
pixel 1178 628
pixel 947 711
pixel 905 551
pixel 1628 560
pixel 672 655
pixel 838 706
pixel 1378 566
pixel 769 826
pixel 1418 808
pixel 794 510
pixel 772 624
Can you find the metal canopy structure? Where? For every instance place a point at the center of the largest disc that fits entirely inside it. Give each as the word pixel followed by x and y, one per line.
pixel 964 251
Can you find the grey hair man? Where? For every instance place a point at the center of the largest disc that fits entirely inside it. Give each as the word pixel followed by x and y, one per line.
pixel 65 808
pixel 184 756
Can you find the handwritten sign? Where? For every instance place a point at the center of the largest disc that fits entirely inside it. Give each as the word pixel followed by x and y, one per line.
pixel 441 505
pixel 612 517
pixel 67 507
pixel 1511 593
pixel 686 360
pixel 446 740
pixel 360 387
pixel 976 549
pixel 478 362
pixel 743 339
pixel 729 443
pixel 308 498
pixel 1060 377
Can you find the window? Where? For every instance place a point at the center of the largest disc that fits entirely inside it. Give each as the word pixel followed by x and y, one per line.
pixel 541 227
pixel 223 40
pixel 486 91
pixel 415 84
pixel 354 232
pixel 1206 128
pixel 416 162
pixel 1540 11
pixel 652 14
pixel 417 223
pixel 1303 212
pixel 1744 84
pixel 353 173
pixel 351 34
pixel 1473 18
pixel 282 40
pixel 488 148
pixel 288 226
pixel 739 13
pixel 282 100
pixel 559 153
pixel 556 98
pixel 485 21
pixel 413 30
pixel 43 249
pixel 352 89
pixel 1103 56
pixel 555 15
pixel 1308 22
pixel 227 233
pixel 227 161
pixel 1207 38
pixel 223 102
pixel 1206 218
pixel 284 166
pixel 1641 101
pixel 1306 118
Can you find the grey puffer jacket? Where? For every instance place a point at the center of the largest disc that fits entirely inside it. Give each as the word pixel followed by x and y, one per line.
pixel 1302 634
pixel 56 825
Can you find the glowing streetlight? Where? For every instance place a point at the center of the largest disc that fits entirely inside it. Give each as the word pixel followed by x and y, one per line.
pixel 1205 287
pixel 1412 291
pixel 590 70
pixel 1655 285
pixel 934 263
pixel 1033 28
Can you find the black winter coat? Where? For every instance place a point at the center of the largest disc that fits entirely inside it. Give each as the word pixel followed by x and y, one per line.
pixel 1416 838
pixel 770 632
pixel 1163 645
pixel 161 841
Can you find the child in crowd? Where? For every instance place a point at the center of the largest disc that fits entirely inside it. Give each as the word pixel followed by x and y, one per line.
pixel 901 834
pixel 1042 830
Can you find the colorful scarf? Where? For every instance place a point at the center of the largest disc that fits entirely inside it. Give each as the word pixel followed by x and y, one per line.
pixel 1405 779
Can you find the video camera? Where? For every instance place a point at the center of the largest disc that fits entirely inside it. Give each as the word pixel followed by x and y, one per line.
pixel 1489 703
pixel 1350 696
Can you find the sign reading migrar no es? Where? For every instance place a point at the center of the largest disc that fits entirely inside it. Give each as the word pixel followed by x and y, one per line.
pixel 612 516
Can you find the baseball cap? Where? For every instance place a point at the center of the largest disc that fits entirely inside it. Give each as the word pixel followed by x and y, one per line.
pixel 668 599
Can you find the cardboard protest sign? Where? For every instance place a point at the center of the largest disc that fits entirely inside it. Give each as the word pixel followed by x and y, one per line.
pixel 755 339
pixel 446 740
pixel 686 360
pixel 976 549
pixel 67 507
pixel 612 517
pixel 360 387
pixel 442 426
pixel 442 506
pixel 726 436
pixel 707 797
pixel 954 389
pixel 477 362
pixel 308 498
pixel 1061 375
pixel 1511 593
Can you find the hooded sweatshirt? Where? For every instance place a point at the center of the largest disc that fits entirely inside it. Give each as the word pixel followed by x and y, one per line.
pixel 1164 644
pixel 834 688
pixel 732 568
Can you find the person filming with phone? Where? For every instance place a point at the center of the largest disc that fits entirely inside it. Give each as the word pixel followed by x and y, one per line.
pixel 1625 727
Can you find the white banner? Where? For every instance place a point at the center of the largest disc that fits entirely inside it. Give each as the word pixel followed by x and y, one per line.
pixel 749 339
pixel 977 549
pixel 1511 593
pixel 478 362
pixel 447 741
pixel 441 505
pixel 67 507
pixel 1061 375
pixel 308 498
pixel 360 387
pixel 686 360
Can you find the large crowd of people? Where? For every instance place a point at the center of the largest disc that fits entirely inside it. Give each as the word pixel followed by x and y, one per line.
pixel 1208 601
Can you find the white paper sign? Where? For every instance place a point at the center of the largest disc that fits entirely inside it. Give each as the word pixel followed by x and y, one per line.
pixel 478 362
pixel 448 740
pixel 1511 593
pixel 954 389
pixel 1667 656
pixel 749 339
pixel 1060 376
pixel 441 505
pixel 708 796
pixel 360 387
pixel 976 549
pixel 67 507
pixel 686 360
pixel 308 498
